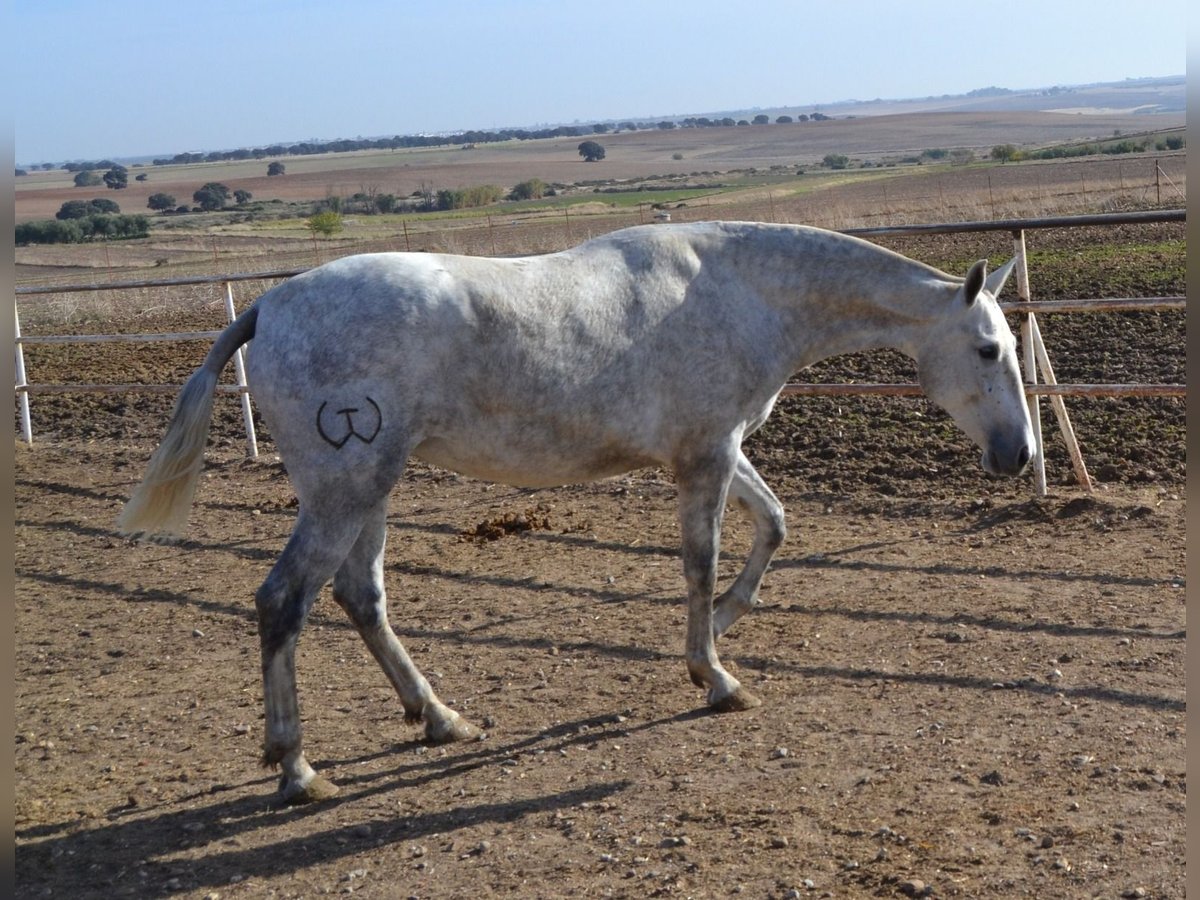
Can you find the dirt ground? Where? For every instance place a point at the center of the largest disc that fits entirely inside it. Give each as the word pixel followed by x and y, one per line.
pixel 968 691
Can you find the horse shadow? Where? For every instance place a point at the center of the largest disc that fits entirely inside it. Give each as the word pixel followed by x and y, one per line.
pixel 142 853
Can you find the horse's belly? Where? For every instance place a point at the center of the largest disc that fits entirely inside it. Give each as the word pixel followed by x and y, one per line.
pixel 529 466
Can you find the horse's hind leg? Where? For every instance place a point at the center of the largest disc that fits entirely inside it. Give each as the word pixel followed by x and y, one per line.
pixel 358 589
pixel 703 485
pixel 756 498
pixel 313 553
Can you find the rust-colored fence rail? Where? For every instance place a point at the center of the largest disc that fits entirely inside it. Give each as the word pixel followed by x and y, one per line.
pixel 1039 373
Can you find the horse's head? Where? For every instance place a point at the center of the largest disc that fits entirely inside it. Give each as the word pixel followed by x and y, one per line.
pixel 968 366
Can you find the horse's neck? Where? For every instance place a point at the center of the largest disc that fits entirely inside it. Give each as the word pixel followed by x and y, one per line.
pixel 838 295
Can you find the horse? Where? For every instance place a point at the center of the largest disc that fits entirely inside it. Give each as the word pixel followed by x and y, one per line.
pixel 658 345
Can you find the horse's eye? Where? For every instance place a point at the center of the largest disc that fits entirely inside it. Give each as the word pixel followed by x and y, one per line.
pixel 991 352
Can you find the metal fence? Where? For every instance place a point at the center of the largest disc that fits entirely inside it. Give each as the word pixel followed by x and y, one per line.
pixel 1039 373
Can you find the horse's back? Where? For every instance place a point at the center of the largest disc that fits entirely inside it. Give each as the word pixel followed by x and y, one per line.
pixel 537 370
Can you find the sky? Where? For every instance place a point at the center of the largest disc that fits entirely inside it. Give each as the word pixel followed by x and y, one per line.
pixel 125 78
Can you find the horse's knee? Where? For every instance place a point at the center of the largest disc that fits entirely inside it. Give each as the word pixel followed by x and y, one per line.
pixel 774 528
pixel 363 604
pixel 280 616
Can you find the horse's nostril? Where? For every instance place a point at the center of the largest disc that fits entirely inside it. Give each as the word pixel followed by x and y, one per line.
pixel 1023 457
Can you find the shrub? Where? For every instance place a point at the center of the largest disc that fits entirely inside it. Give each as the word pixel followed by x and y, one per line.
pixel 533 189
pixel 468 198
pixel 77 231
pixel 327 223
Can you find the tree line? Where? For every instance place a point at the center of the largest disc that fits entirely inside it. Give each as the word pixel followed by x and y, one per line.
pixel 462 138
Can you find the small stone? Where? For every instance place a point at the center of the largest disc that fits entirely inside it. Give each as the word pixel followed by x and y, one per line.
pixel 914 887
pixel 778 842
pixel 197 633
pixel 780 753
pixel 1047 842
pixel 1062 864
pixel 1134 893
pixel 993 778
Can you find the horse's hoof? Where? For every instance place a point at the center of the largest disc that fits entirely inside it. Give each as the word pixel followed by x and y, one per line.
pixel 739 700
pixel 317 789
pixel 451 731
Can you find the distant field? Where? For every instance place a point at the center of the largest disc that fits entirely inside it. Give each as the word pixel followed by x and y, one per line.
pixel 629 155
pixel 769 172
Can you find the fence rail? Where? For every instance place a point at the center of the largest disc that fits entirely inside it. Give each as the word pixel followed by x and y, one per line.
pixel 1036 358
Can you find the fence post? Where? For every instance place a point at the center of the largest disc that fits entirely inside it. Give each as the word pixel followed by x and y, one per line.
pixel 1059 406
pixel 26 426
pixel 1035 407
pixel 239 368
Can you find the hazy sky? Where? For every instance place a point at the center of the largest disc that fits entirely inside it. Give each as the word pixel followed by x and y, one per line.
pixel 125 78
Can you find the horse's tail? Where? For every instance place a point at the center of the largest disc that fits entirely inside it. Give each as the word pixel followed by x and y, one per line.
pixel 160 504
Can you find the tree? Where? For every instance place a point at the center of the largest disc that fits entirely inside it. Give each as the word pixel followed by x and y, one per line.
pixel 1004 153
pixel 117 178
pixel 212 196
pixel 161 202
pixel 327 223
pixel 835 161
pixel 72 209
pixel 81 209
pixel 761 119
pixel 591 151
pixel 241 197
pixel 141 177
pixel 784 120
pixel 86 178
pixel 276 168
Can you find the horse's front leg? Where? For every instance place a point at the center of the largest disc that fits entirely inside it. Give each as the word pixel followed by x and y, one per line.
pixel 753 495
pixel 703 486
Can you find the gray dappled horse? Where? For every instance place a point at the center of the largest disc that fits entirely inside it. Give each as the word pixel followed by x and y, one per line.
pixel 657 345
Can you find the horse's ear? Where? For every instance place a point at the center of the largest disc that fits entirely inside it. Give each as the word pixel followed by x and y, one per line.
pixel 995 281
pixel 975 281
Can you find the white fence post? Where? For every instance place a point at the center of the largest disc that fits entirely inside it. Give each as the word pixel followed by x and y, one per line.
pixel 1035 406
pixel 26 425
pixel 239 368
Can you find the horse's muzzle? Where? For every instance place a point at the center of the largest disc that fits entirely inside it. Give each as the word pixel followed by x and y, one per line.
pixel 1001 458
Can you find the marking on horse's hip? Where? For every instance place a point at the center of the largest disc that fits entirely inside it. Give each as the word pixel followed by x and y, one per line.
pixel 350 431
